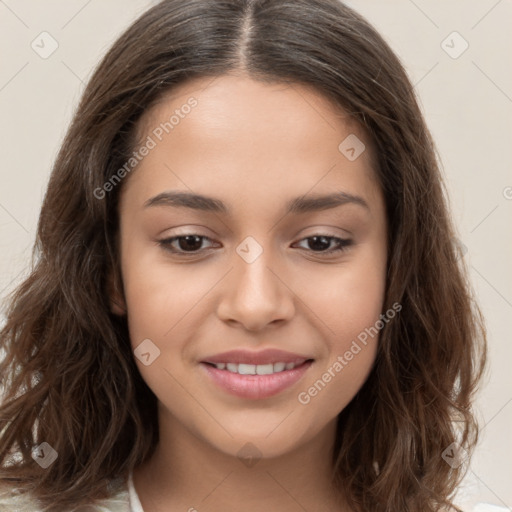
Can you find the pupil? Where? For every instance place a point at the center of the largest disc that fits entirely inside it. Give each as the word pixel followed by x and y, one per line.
pixel 314 245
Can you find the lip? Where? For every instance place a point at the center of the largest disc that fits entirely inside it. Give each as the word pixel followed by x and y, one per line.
pixel 267 356
pixel 255 387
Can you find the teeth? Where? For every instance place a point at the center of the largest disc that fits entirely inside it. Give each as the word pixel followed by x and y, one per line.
pixel 255 369
pixel 265 369
pixel 279 367
pixel 247 369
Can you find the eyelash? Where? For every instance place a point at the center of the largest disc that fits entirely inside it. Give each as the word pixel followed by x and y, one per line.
pixel 343 243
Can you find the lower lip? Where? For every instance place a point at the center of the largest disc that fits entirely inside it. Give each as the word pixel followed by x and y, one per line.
pixel 256 387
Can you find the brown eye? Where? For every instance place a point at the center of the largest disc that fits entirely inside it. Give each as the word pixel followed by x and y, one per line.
pixel 185 243
pixel 322 244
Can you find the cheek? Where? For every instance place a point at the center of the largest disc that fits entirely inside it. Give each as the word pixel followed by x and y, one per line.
pixel 158 295
pixel 158 300
pixel 350 303
pixel 350 297
pixel 353 315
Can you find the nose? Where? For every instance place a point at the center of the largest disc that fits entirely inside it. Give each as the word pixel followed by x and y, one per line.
pixel 256 294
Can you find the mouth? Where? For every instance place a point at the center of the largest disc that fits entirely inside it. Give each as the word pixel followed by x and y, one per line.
pixel 258 375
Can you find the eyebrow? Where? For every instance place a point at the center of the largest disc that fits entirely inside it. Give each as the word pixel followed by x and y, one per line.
pixel 297 205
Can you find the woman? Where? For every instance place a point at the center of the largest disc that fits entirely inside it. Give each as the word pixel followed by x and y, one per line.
pixel 320 352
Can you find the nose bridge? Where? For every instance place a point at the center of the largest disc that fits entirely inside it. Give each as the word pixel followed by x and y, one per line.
pixel 255 296
pixel 252 269
pixel 252 266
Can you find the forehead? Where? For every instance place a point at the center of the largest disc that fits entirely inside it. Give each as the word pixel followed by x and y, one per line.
pixel 228 101
pixel 264 136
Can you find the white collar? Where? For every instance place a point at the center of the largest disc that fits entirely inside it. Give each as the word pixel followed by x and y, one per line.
pixel 133 498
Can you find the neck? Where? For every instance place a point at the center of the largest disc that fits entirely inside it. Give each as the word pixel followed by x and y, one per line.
pixel 187 473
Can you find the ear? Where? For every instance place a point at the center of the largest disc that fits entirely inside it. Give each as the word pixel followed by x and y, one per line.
pixel 116 295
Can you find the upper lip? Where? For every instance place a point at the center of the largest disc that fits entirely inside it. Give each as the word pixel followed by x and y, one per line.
pixel 267 356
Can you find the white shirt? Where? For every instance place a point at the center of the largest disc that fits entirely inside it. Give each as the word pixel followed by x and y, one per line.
pixel 133 498
pixel 127 500
pixel 124 500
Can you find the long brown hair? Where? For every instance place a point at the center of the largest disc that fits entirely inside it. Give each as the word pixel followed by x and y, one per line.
pixel 68 374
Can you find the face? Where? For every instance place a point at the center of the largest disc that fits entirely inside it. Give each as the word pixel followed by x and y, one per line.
pixel 246 307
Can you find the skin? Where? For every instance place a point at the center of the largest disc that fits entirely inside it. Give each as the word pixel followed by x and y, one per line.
pixel 254 146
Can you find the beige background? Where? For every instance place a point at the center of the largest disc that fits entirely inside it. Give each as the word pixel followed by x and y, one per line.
pixel 467 102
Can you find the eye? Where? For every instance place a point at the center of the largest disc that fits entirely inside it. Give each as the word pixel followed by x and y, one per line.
pixel 322 244
pixel 186 243
pixel 192 244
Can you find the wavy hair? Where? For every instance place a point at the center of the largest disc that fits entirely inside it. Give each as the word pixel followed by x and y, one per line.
pixel 68 373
